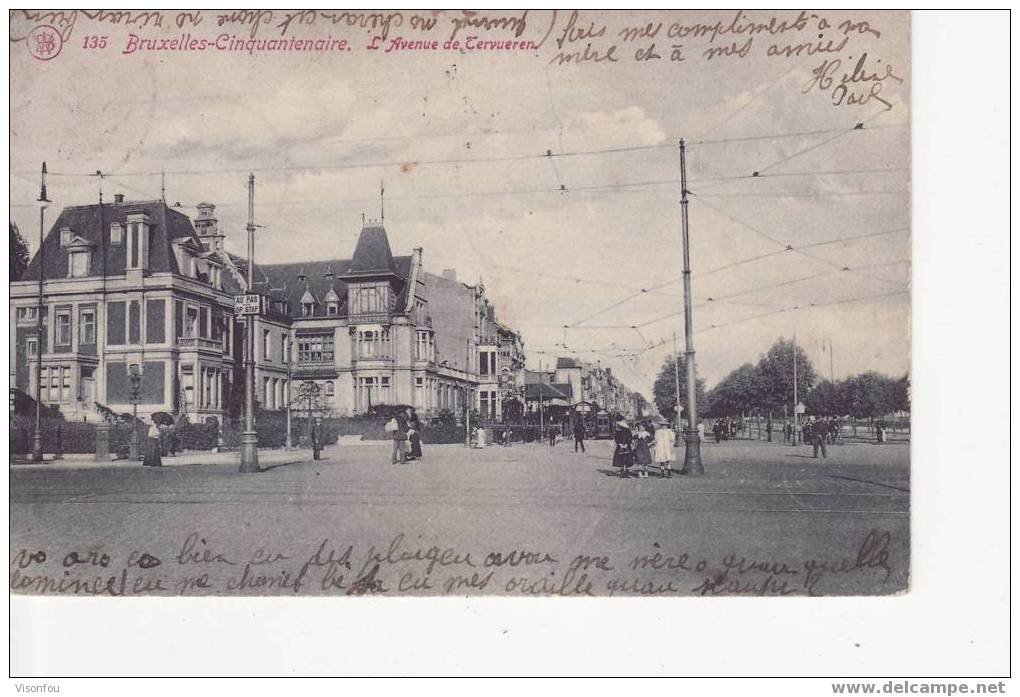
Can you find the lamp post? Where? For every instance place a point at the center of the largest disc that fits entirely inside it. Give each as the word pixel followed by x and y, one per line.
pixel 135 374
pixel 249 437
pixel 37 453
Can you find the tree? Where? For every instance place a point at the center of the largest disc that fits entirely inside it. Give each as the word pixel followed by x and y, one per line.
pixel 869 395
pixel 664 390
pixel 19 253
pixel 826 399
pixel 737 393
pixel 640 404
pixel 901 394
pixel 775 373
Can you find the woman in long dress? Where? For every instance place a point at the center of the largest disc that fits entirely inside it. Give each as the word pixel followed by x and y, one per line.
pixel 414 434
pixel 642 451
pixel 153 458
pixel 664 449
pixel 623 455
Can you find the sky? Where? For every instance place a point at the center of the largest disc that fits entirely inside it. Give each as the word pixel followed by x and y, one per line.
pixel 588 238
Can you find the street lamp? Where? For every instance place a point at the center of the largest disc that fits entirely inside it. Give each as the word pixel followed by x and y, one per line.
pixel 135 374
pixel 37 453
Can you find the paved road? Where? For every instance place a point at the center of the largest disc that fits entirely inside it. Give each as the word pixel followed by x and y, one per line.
pixel 766 519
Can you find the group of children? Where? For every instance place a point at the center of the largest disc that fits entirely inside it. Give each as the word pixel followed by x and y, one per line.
pixel 643 445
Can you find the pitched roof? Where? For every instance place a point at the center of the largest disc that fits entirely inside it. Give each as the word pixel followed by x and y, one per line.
pixel 372 253
pixel 91 224
pixel 567 363
pixel 546 390
pixel 281 282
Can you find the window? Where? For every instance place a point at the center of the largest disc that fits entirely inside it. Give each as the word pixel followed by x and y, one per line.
pixel 419 392
pixel 366 395
pixel 384 390
pixel 65 236
pixel 267 345
pixel 332 308
pixel 133 240
pixel 315 348
pixel 116 234
pixel 27 313
pixel 54 391
pixel 284 356
pixel 31 347
pixel 63 329
pixel 366 299
pixel 191 322
pixel 78 264
pixel 307 309
pixel 87 327
pixel 330 389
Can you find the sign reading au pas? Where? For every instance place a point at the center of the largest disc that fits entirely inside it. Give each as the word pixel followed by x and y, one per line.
pixel 251 304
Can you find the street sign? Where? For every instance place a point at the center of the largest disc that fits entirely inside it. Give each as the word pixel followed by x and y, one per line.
pixel 250 304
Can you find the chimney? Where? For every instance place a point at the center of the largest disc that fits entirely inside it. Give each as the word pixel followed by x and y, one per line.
pixel 118 198
pixel 450 274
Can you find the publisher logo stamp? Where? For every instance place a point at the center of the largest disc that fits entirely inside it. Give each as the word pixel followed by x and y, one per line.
pixel 44 42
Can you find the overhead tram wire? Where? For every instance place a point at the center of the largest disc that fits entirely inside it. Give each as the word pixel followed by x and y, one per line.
pixel 667 145
pixel 791 308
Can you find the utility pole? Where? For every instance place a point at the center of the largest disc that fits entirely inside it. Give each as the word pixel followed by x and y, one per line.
pixel 832 373
pixel 37 453
pixel 541 415
pixel 467 399
pixel 692 443
pixel 796 415
pixel 249 437
pixel 676 374
pixel 290 380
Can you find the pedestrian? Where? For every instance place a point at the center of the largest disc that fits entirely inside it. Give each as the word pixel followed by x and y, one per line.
pixel 399 440
pixel 152 453
pixel 414 434
pixel 623 455
pixel 815 430
pixel 787 432
pixel 717 430
pixel 553 432
pixel 316 442
pixel 578 434
pixel 880 432
pixel 701 432
pixel 642 451
pixel 664 448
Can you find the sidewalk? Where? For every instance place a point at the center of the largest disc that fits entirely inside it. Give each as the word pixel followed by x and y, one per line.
pixel 276 456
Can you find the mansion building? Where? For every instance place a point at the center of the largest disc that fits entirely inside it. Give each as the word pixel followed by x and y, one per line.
pixel 136 286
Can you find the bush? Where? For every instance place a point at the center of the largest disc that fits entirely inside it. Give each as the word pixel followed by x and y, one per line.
pixel 200 436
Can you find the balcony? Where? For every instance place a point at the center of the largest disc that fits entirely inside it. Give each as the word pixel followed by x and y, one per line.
pixel 197 343
pixel 369 317
pixel 310 368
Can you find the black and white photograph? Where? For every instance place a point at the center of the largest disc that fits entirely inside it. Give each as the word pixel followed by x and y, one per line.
pixel 529 304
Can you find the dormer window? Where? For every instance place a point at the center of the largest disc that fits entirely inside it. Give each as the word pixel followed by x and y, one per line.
pixel 78 263
pixel 332 308
pixel 307 309
pixel 116 234
pixel 65 236
pixel 138 241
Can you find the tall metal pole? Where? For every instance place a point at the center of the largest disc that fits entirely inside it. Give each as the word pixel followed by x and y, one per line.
pixel 249 438
pixel 832 373
pixel 37 453
pixel 467 400
pixel 676 375
pixel 290 380
pixel 541 416
pixel 692 449
pixel 796 416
